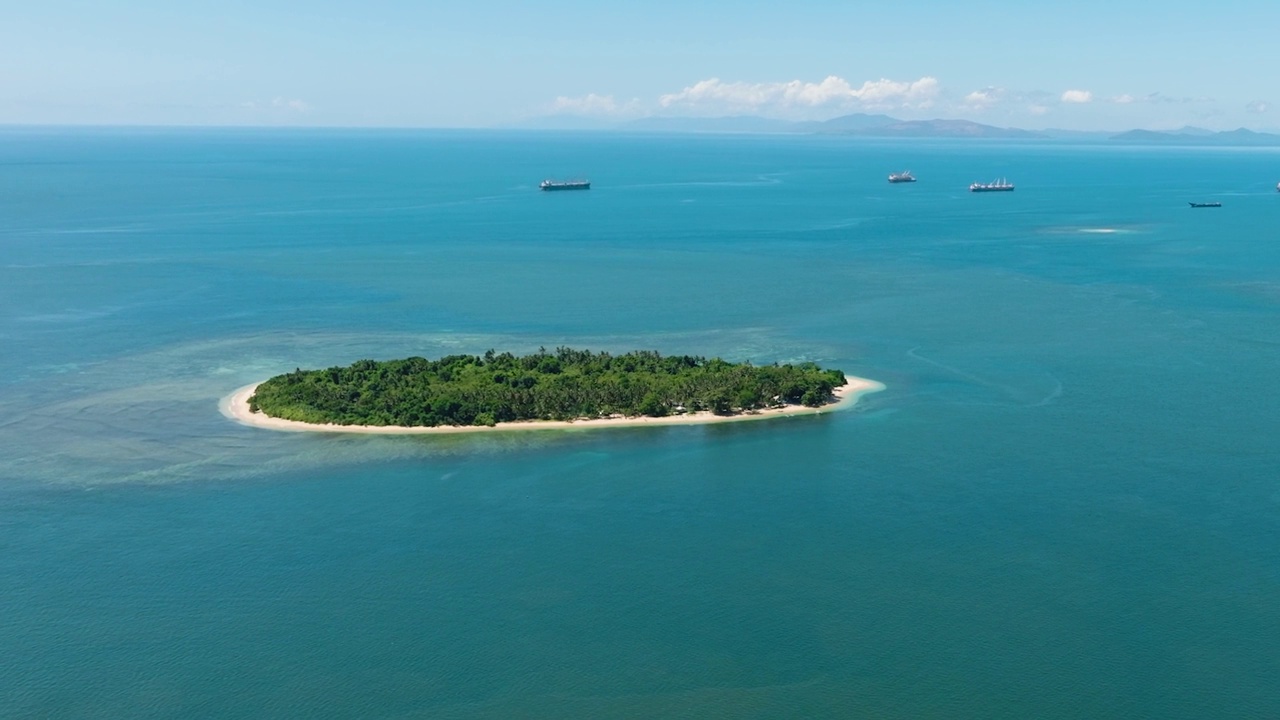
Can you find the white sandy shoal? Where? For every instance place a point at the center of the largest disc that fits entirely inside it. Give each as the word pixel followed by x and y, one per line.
pixel 236 407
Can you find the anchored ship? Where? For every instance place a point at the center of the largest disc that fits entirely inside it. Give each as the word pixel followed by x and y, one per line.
pixel 904 176
pixel 1208 204
pixel 565 185
pixel 1000 185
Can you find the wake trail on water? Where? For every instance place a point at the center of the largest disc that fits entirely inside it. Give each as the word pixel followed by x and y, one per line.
pixel 1006 390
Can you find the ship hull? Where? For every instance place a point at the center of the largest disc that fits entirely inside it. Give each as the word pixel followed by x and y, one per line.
pixel 550 187
pixel 990 189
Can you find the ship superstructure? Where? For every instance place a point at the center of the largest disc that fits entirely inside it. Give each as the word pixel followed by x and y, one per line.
pixel 1000 185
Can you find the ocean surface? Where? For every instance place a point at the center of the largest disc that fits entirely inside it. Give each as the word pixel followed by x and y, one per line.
pixel 1066 503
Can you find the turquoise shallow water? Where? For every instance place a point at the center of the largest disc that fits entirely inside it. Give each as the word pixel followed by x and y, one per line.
pixel 1064 505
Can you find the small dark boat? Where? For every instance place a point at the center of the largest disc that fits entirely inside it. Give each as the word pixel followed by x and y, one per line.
pixel 1208 204
pixel 565 185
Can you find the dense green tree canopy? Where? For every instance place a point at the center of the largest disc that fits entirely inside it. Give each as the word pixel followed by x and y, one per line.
pixel 563 385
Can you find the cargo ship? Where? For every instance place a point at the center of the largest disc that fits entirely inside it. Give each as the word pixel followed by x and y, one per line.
pixel 565 185
pixel 1206 204
pixel 1000 185
pixel 904 176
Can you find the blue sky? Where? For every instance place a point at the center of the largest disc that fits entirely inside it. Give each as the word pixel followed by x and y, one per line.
pixel 1084 65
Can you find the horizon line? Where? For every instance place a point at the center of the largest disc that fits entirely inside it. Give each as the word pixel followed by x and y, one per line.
pixel 613 126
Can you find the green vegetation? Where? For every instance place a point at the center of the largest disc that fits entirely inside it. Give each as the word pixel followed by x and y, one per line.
pixel 564 385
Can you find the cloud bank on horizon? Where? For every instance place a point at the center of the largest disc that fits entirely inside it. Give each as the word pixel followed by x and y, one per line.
pixel 832 92
pixel 835 95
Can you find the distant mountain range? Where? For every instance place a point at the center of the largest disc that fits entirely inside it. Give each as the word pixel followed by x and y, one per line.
pixel 940 129
pixel 884 126
pixel 1199 136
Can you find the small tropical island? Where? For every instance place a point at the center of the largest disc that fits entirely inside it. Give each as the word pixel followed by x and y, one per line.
pixel 563 388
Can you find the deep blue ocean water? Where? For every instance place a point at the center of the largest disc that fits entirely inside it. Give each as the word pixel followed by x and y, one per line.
pixel 1065 504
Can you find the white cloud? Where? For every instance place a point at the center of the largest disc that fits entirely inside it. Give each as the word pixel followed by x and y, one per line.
pixel 920 93
pixel 1154 98
pixel 287 104
pixel 593 104
pixel 1037 109
pixel 1258 106
pixel 716 95
pixel 1077 96
pixel 984 98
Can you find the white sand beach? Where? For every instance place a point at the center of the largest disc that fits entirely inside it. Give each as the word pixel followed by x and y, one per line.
pixel 236 407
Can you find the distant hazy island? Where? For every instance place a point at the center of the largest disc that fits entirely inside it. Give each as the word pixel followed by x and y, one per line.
pixel 465 392
pixel 884 126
